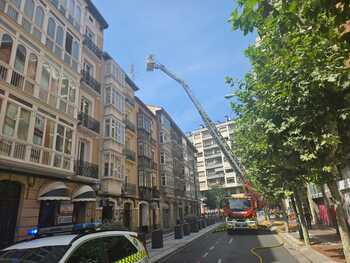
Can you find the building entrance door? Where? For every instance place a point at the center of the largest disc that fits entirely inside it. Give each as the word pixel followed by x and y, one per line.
pixel 10 193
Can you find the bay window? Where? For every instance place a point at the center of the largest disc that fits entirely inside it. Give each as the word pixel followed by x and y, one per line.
pixel 20 58
pixel 32 66
pixel 38 22
pixel 115 129
pixel 16 121
pixel 64 136
pixel 113 166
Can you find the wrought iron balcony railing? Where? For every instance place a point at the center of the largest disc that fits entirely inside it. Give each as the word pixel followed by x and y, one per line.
pixel 89 122
pixel 92 46
pixel 86 169
pixel 90 81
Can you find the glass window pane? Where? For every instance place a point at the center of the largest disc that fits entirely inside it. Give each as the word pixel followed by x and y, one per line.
pixel 54 87
pixel 91 251
pixel 68 141
pixel 39 17
pixel 29 8
pixel 44 82
pixel 59 35
pixel 17 3
pixel 23 125
pixel 38 130
pixel 118 247
pixel 69 43
pixel 49 133
pixel 75 49
pixel 6 48
pixel 51 28
pixel 20 58
pixel 10 119
pixel 59 138
pixel 32 66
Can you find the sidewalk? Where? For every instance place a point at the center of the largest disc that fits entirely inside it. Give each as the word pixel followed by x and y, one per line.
pixel 325 244
pixel 172 245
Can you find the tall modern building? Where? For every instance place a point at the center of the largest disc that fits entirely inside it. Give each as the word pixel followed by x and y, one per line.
pixel 178 176
pixel 213 169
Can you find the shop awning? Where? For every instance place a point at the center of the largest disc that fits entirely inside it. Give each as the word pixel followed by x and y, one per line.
pixel 84 194
pixel 54 191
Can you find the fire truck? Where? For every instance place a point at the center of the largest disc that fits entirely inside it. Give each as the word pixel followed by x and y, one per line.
pixel 240 212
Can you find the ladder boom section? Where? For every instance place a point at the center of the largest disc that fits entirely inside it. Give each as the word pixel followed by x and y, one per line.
pixel 214 132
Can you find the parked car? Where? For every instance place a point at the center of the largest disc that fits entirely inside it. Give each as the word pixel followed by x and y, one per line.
pixel 95 245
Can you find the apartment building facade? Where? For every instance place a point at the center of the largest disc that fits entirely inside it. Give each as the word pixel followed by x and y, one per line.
pixel 47 174
pixel 177 202
pixel 148 168
pixel 213 168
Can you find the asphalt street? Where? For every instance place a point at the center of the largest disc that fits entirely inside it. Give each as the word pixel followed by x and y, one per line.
pixel 223 248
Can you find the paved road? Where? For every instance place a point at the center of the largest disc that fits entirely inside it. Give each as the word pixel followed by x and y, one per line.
pixel 224 248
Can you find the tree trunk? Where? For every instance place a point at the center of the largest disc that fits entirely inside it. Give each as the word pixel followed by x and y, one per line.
pixel 311 205
pixel 285 216
pixel 302 220
pixel 341 219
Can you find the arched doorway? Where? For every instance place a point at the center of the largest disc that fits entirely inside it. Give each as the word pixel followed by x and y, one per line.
pixel 143 217
pixel 127 215
pixel 10 193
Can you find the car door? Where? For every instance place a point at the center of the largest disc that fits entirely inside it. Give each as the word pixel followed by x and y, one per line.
pixel 90 251
pixel 119 249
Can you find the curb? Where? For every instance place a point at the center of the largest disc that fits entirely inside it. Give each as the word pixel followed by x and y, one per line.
pixel 297 247
pixel 163 258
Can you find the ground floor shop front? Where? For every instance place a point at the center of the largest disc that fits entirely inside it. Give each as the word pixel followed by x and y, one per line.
pixel 28 202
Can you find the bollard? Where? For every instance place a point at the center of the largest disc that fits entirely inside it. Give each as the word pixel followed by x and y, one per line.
pixel 187 229
pixel 178 232
pixel 157 238
pixel 194 227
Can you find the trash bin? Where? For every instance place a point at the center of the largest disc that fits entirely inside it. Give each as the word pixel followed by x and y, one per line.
pixel 157 238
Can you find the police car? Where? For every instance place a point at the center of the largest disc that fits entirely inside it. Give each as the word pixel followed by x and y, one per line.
pixel 87 243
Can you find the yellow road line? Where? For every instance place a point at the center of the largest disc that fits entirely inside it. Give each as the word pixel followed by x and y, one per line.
pixel 253 251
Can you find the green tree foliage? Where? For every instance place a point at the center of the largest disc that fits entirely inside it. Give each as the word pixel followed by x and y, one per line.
pixel 214 197
pixel 294 106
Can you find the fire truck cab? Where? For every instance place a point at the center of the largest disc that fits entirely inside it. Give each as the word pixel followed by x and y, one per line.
pixel 240 212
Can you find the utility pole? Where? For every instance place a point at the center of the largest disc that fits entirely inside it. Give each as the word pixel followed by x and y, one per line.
pixel 214 132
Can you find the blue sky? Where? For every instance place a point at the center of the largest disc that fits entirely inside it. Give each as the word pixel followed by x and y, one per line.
pixel 192 38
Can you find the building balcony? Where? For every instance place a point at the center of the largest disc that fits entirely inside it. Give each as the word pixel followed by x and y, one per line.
pixel 90 81
pixel 86 169
pixel 89 122
pixel 129 125
pixel 145 193
pixel 20 151
pixel 128 189
pixel 129 154
pixel 92 46
pixel 155 193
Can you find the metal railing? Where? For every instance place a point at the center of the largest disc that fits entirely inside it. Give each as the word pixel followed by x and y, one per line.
pixel 129 189
pixel 129 154
pixel 86 169
pixel 129 125
pixel 92 46
pixel 23 151
pixel 3 72
pixel 89 122
pixel 90 81
pixel 145 193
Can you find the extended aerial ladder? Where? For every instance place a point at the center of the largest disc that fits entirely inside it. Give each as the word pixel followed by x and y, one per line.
pixel 220 141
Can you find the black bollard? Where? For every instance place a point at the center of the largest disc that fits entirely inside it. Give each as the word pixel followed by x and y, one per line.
pixel 157 238
pixel 178 232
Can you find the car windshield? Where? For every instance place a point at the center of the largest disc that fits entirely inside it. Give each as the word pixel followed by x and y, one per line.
pixel 239 204
pixel 49 254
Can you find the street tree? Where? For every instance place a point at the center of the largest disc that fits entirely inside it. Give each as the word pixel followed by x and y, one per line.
pixel 301 82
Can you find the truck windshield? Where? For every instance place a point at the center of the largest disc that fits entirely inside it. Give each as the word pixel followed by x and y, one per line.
pixel 239 204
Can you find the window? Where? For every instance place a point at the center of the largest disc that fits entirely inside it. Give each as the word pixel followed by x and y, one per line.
pixel 51 28
pixel 59 35
pixel 38 21
pixel 162 137
pixel 64 138
pixel 85 106
pixel 6 48
pixel 144 122
pixel 231 180
pixel 78 14
pixel 20 59
pixel 44 82
pixel 32 66
pixel 29 8
pixel 17 3
pixel 162 158
pixel 38 130
pixel 90 35
pixel 88 252
pixel 163 178
pixel 113 165
pixel 114 98
pixel 75 49
pixel 23 125
pixel 10 120
pixel 118 247
pixel 115 130
pixel 69 43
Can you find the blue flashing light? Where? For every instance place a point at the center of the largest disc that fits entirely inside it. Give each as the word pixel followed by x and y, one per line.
pixel 32 232
pixel 84 226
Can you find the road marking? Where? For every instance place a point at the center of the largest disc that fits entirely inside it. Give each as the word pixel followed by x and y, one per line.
pixel 219 261
pixel 212 247
pixel 205 255
pixel 230 241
